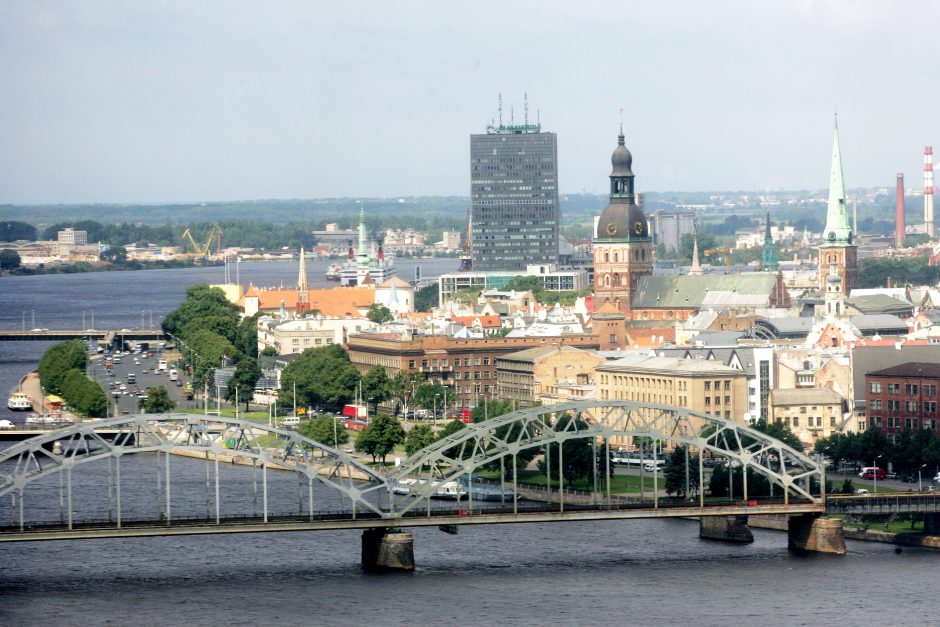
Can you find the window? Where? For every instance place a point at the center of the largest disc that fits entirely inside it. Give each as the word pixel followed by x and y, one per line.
pixel 832 421
pixel 876 404
pixel 912 407
pixel 930 407
pixel 796 420
pixel 802 410
pixel 411 363
pixel 329 340
pixel 894 388
pixel 486 361
pixel 717 400
pixel 930 389
pixel 874 388
pixel 727 385
pixel 708 386
pixel 910 389
pixel 424 363
pixel 457 376
pixel 466 361
pixel 894 405
pixel 727 400
pixel 613 338
pixel 708 401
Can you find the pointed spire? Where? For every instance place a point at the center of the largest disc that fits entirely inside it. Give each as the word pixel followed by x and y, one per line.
pixel 838 230
pixel 302 291
pixel 769 259
pixel 696 269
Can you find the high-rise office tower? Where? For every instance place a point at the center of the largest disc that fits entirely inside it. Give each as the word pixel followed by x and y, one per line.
pixel 514 196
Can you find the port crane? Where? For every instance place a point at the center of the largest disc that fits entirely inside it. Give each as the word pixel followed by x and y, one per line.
pixel 726 251
pixel 202 250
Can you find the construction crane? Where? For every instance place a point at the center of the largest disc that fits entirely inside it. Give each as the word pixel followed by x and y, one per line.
pixel 202 250
pixel 721 251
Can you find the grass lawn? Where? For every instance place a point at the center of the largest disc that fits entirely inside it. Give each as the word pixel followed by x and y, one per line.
pixel 895 526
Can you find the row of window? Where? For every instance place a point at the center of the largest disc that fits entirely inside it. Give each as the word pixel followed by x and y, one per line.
pixel 913 407
pixel 444 363
pixel 896 422
pixel 811 421
pixel 910 389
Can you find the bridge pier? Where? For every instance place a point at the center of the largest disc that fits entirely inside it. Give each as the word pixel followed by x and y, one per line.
pixel 816 534
pixel 727 528
pixel 385 549
pixel 932 524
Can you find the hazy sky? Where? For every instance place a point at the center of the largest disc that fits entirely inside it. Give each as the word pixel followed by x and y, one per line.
pixel 151 101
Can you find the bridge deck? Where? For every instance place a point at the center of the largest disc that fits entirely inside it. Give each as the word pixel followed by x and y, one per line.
pixel 45 335
pixel 362 521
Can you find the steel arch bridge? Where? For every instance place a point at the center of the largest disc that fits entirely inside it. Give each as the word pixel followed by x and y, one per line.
pixel 407 488
pixel 207 436
pixel 504 437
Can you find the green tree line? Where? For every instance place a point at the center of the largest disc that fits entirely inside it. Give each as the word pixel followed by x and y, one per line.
pixel 62 372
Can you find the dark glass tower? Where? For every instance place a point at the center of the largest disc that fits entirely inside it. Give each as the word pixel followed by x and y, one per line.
pixel 514 197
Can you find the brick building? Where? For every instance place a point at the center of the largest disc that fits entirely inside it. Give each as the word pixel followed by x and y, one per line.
pixel 811 413
pixel 467 365
pixel 903 397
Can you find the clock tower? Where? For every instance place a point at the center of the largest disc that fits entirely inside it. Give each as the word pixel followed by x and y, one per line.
pixel 838 251
pixel 623 249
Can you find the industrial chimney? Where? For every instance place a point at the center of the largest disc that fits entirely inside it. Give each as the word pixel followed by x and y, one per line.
pixel 928 190
pixel 899 213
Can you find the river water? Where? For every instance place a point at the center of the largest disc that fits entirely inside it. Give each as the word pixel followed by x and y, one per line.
pixel 626 572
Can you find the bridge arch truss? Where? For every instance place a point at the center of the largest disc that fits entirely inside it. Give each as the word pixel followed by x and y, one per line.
pixel 205 436
pixel 504 437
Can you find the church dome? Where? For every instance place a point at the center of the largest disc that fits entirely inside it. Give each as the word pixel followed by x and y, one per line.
pixel 622 221
pixel 621 160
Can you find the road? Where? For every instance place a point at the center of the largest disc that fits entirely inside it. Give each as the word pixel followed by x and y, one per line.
pixel 143 369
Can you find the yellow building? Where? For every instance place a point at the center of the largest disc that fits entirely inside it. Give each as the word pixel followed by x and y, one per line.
pixel 524 375
pixel 811 413
pixel 697 384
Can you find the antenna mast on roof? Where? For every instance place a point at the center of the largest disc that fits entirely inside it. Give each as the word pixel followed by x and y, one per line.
pixel 525 105
pixel 499 108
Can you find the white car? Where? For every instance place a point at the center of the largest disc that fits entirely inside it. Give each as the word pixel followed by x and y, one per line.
pixel 6 424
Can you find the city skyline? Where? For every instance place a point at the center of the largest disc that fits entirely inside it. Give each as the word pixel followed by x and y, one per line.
pixel 149 104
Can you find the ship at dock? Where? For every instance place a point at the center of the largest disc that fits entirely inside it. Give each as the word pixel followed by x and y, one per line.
pixel 368 264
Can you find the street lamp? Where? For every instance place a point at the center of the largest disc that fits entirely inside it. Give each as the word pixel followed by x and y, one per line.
pixel 920 483
pixel 434 413
pixel 875 472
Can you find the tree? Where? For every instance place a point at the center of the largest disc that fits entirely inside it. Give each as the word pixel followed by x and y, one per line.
pixel 426 298
pixel 380 437
pixel 419 437
pixel 376 387
pixel 246 376
pixel 246 335
pixel 12 230
pixel 324 377
pixel 269 351
pixel 379 313
pixel 578 459
pixel 59 360
pixel 9 259
pixel 202 302
pixel 158 401
pixel 779 431
pixel 404 385
pixel 322 430
pixel 115 254
pixel 675 473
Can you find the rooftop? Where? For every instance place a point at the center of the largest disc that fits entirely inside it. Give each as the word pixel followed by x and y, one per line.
pixel 669 365
pixel 912 369
pixel 805 396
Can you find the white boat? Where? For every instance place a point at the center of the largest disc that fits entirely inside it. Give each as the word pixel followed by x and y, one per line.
pixel 333 272
pixel 404 486
pixel 20 401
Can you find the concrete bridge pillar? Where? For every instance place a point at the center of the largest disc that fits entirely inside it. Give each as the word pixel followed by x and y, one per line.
pixel 386 549
pixel 727 528
pixel 932 524
pixel 813 533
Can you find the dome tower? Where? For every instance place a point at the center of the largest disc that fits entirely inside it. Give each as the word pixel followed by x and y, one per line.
pixel 623 249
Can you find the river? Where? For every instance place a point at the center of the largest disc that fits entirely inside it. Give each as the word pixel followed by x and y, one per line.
pixel 623 572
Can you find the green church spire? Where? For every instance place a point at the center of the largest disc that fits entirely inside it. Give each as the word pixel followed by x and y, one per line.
pixel 838 229
pixel 768 255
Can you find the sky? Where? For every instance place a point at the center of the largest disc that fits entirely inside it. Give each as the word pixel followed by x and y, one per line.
pixel 155 101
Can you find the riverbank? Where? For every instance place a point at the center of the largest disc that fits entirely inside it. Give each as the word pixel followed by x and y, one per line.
pixel 30 384
pixel 81 267
pixel 242 460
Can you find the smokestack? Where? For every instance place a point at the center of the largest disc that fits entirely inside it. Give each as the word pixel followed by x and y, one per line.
pixel 928 190
pixel 899 213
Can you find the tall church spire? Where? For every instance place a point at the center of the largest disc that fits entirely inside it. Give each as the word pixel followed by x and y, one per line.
pixel 302 291
pixel 769 259
pixel 696 269
pixel 838 229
